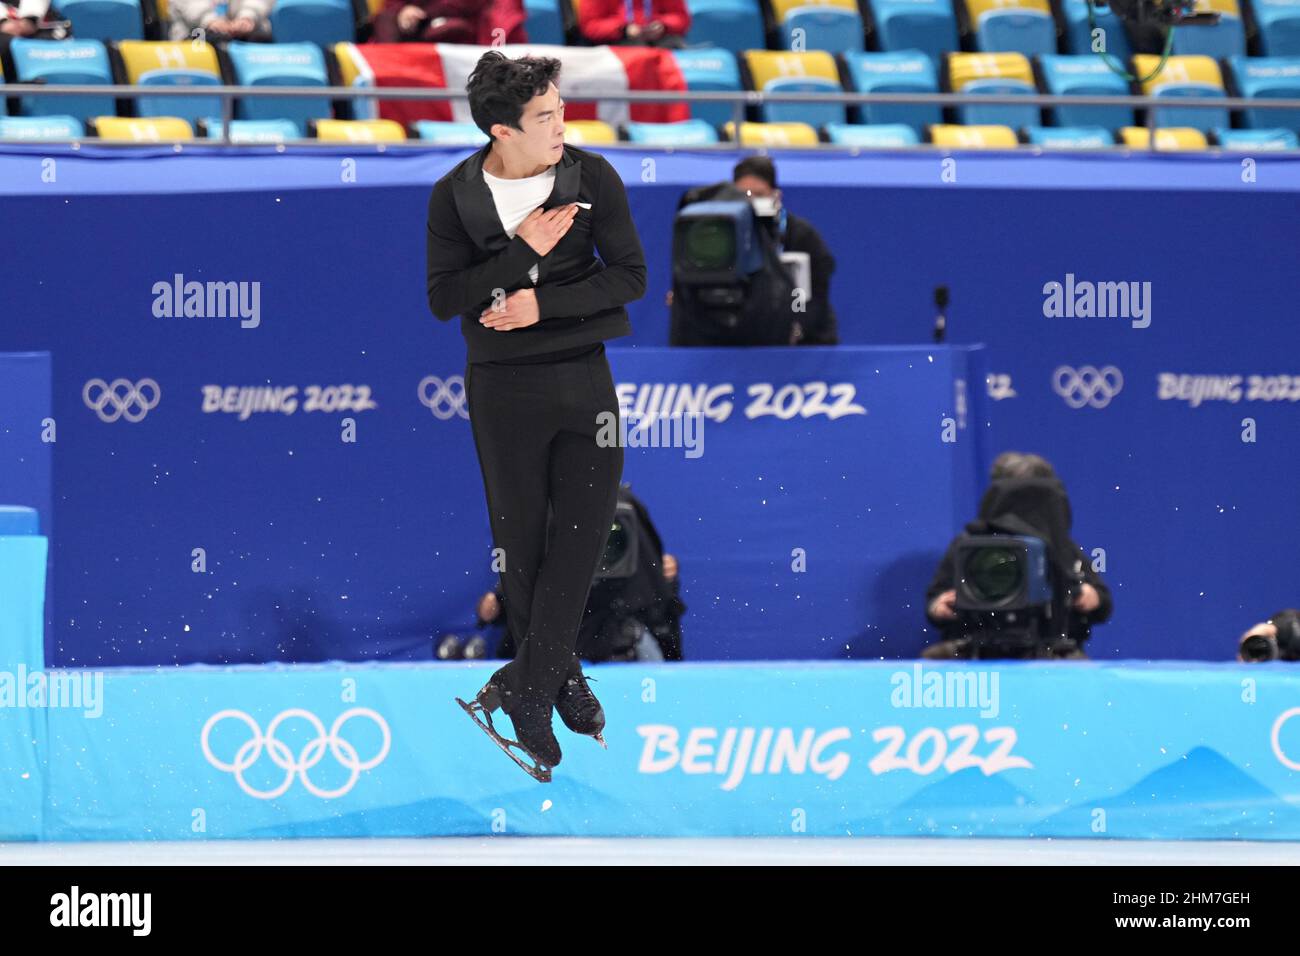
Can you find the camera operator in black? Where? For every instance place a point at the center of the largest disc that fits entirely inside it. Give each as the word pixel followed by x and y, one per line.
pixel 1277 639
pixel 1025 496
pixel 618 608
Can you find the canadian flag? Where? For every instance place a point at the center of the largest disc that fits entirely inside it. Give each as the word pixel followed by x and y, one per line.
pixel 600 69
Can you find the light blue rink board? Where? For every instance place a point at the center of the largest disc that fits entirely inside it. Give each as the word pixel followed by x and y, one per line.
pixel 1085 750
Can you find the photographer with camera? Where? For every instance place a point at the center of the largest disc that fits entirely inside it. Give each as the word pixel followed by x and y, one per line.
pixel 1025 497
pixel 634 618
pixel 1277 639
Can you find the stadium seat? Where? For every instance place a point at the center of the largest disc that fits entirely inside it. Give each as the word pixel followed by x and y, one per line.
pixel 833 25
pixel 449 134
pixel 734 25
pixel 788 72
pixel 993 74
pixel 41 128
pixel 1196 76
pixel 357 131
pixel 280 64
pixel 151 63
pixel 1260 77
pixel 355 71
pixel 1167 138
pixel 709 69
pixel 907 71
pixel 1069 137
pixel 543 23
pixel 1235 139
pixel 1011 26
pixel 1223 39
pixel 313 21
pixel 973 137
pixel 887 135
pixel 1078 30
pixel 252 131
pixel 1086 75
pixel 68 62
pixel 925 25
pixel 104 19
pixel 146 129
pixel 589 132
pixel 773 134
pixel 1278 23
pixel 691 132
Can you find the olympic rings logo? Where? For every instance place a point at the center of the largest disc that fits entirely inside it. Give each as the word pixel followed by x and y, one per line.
pixel 1282 718
pixel 312 753
pixel 132 403
pixel 1087 385
pixel 447 399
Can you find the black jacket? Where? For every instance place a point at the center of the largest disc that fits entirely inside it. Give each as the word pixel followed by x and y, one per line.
pixel 818 323
pixel 580 298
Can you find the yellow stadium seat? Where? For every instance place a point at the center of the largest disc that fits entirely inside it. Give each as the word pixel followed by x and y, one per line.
pixel 151 129
pixel 142 57
pixel 360 131
pixel 773 134
pixel 351 63
pixel 973 137
pixel 768 65
pixel 164 10
pixel 589 132
pixel 782 8
pixel 1167 137
pixel 966 68
pixel 977 8
pixel 1178 70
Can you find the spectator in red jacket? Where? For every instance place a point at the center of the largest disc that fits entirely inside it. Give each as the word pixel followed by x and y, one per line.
pixel 634 22
pixel 484 22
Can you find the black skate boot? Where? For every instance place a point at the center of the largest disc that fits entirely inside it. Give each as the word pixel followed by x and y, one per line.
pixel 536 750
pixel 579 708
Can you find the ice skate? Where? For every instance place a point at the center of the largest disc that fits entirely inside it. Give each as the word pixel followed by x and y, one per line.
pixel 579 708
pixel 536 751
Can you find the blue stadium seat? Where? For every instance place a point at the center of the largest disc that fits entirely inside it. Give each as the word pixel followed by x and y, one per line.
pixel 1078 30
pixel 833 25
pixel 1278 22
pixel 734 25
pixel 1069 137
pixel 312 21
pixel 68 62
pixel 1219 40
pixel 691 132
pixel 1243 139
pixel 926 25
pixel 255 131
pixel 449 134
pixel 167 63
pixel 783 71
pixel 544 23
pixel 999 74
pixel 41 127
pixel 104 19
pixel 709 69
pixel 907 71
pixel 1085 75
pixel 1184 76
pixel 1268 77
pixel 874 136
pixel 280 64
pixel 1012 26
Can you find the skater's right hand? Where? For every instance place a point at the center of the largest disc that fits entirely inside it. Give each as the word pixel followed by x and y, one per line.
pixel 944 606
pixel 542 228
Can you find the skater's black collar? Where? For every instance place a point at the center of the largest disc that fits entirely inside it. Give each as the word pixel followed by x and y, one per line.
pixel 478 211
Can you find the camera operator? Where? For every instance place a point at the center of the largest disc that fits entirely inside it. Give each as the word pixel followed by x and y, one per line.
pixel 1277 639
pixel 755 176
pixel 1089 600
pixel 626 619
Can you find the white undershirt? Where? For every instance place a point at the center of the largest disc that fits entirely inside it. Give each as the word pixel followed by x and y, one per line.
pixel 516 198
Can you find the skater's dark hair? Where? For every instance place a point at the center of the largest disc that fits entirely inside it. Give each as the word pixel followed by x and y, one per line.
pixel 1019 464
pixel 500 87
pixel 760 166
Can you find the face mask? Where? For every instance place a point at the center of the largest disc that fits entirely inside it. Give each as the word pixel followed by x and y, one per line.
pixel 764 205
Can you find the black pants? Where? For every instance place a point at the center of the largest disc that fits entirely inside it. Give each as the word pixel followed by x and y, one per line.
pixel 535 428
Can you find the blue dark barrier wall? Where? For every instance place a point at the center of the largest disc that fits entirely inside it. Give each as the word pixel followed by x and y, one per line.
pixel 1191 521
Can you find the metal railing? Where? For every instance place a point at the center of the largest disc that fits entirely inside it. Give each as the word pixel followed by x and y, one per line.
pixel 739 100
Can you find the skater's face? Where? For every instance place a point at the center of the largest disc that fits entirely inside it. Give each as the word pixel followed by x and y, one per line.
pixel 542 138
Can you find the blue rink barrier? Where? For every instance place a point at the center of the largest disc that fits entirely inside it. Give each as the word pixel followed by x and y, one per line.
pixel 828 749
